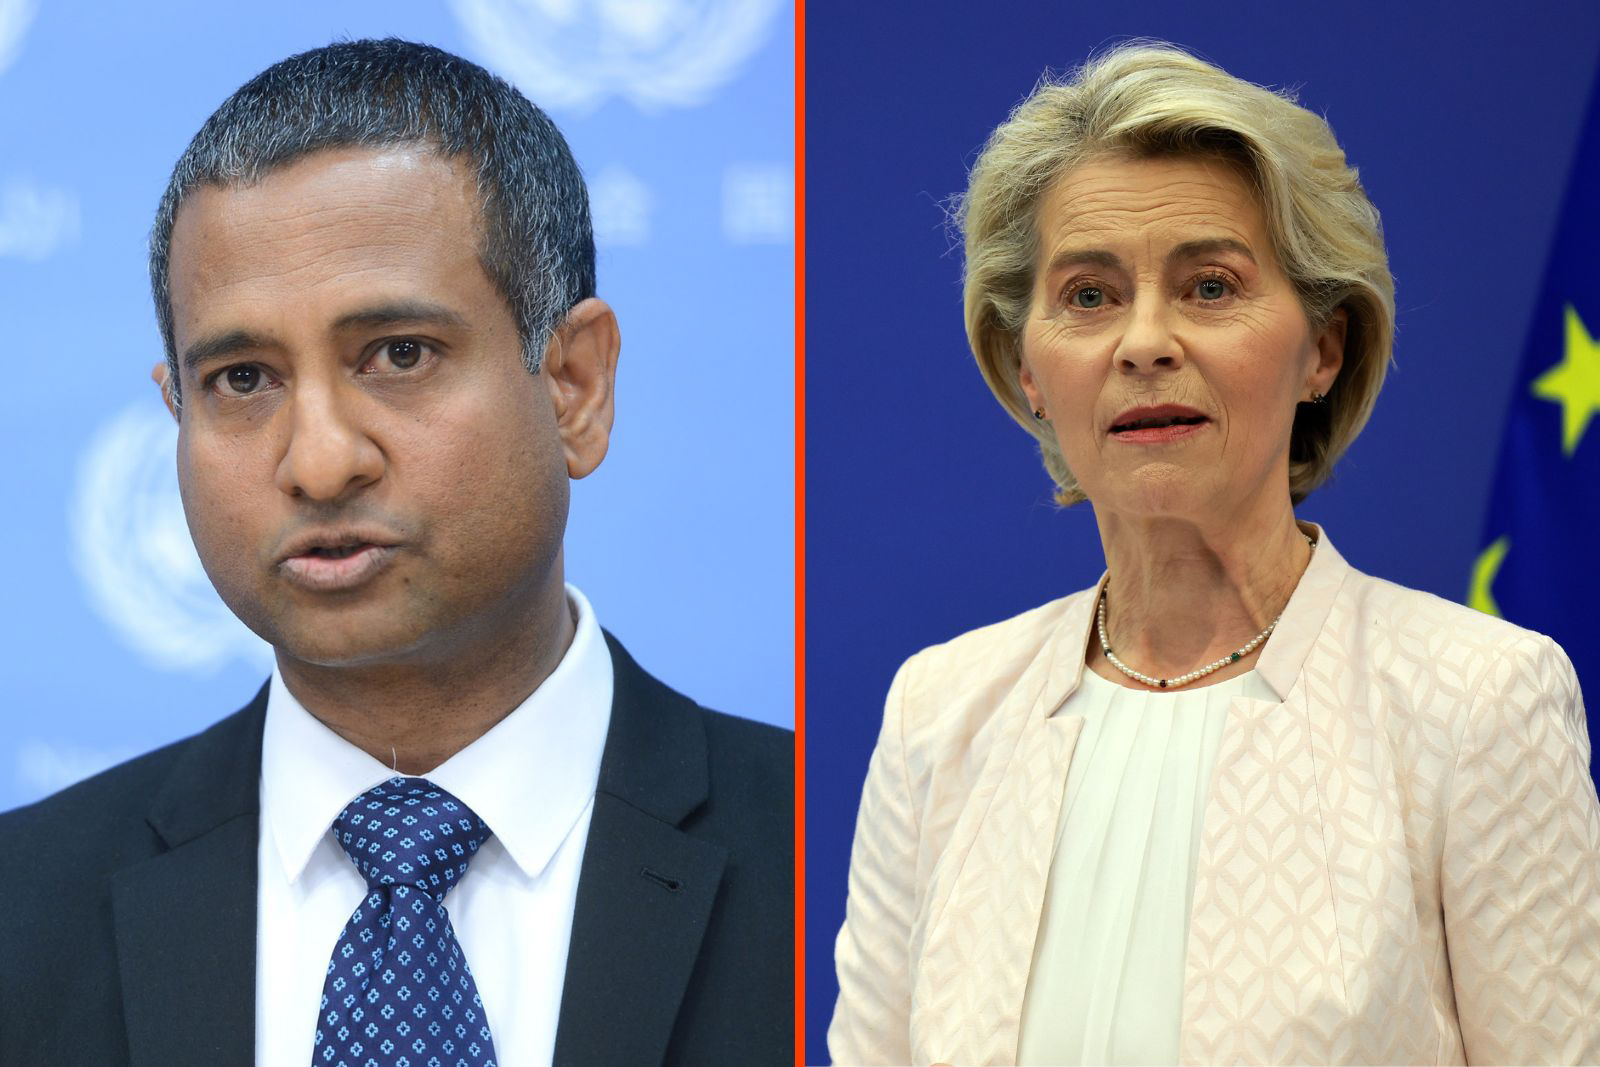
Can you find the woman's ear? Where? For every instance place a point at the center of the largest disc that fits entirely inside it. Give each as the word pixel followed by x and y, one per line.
pixel 1030 387
pixel 1330 351
pixel 580 368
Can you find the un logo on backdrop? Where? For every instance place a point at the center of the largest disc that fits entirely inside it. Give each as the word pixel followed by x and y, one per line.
pixel 14 18
pixel 573 54
pixel 132 549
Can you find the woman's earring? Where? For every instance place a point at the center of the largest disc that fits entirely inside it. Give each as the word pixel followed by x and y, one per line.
pixel 1038 413
pixel 1319 398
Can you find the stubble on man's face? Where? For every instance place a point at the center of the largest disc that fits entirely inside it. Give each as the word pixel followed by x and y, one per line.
pixel 363 390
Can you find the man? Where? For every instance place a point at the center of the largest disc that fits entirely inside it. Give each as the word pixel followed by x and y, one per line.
pixel 459 824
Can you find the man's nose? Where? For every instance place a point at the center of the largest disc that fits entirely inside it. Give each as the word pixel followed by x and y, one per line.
pixel 330 450
pixel 1148 344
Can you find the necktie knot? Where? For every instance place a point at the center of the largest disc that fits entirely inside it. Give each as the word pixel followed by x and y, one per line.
pixel 408 831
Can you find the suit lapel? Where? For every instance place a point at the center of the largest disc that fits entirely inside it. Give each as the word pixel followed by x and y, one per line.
pixel 647 888
pixel 185 919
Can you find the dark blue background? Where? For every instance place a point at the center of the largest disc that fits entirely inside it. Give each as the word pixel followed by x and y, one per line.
pixel 928 513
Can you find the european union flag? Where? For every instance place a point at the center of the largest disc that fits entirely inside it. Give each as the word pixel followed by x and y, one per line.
pixel 1540 567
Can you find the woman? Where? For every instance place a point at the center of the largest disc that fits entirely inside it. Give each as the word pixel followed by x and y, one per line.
pixel 1239 802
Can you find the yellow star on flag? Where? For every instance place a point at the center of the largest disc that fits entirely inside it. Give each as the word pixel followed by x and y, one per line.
pixel 1574 383
pixel 1484 571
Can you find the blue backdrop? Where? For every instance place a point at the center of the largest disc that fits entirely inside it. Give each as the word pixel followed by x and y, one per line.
pixel 681 114
pixel 927 512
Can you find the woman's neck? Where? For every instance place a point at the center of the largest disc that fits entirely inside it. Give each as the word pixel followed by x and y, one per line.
pixel 1181 595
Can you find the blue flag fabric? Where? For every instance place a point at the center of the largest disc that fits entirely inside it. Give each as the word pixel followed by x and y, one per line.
pixel 1539 566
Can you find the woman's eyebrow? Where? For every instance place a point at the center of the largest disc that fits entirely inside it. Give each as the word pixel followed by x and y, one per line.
pixel 1100 257
pixel 1203 246
pixel 1073 257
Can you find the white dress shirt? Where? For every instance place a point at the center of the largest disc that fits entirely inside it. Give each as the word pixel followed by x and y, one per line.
pixel 1106 986
pixel 531 778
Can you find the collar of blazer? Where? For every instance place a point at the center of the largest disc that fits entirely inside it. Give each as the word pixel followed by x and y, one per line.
pixel 1062 659
pixel 975 940
pixel 184 909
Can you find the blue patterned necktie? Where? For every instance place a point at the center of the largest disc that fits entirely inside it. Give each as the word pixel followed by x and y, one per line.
pixel 399 992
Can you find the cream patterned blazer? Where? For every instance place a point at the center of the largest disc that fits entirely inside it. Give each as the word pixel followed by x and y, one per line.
pixel 1400 862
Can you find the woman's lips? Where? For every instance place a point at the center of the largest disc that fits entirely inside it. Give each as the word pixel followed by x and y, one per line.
pixel 329 574
pixel 1159 435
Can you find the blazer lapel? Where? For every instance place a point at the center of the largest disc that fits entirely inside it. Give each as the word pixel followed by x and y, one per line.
pixel 1265 972
pixel 185 918
pixel 1303 938
pixel 646 890
pixel 1263 977
pixel 988 891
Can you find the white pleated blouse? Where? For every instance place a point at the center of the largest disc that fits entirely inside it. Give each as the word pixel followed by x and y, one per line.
pixel 1106 985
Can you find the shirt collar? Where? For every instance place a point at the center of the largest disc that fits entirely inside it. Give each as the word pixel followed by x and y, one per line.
pixel 529 777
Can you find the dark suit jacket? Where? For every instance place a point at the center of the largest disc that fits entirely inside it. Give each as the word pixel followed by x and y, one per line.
pixel 128 902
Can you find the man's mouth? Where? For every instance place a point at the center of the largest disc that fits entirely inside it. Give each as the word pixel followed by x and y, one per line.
pixel 335 562
pixel 338 552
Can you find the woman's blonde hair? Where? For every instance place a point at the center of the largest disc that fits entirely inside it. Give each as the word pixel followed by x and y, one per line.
pixel 1148 100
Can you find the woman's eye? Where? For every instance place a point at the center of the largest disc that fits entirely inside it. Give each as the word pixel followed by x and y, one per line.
pixel 1211 288
pixel 1090 296
pixel 242 379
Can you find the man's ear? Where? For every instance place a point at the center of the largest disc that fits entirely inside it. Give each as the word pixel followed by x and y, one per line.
pixel 162 376
pixel 580 369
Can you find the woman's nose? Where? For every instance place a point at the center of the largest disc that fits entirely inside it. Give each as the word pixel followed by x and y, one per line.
pixel 1148 344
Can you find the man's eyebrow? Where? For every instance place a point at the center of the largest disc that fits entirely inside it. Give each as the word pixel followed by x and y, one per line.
pixel 379 315
pixel 223 344
pixel 401 311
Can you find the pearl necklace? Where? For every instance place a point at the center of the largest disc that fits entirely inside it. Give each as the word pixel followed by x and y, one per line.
pixel 1197 673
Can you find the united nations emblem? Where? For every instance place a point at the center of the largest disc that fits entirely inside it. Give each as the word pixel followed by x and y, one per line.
pixel 573 54
pixel 14 18
pixel 132 550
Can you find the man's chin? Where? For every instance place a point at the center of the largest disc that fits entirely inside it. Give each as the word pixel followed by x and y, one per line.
pixel 351 659
pixel 333 647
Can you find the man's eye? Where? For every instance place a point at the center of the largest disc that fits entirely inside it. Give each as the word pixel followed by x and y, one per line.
pixel 242 379
pixel 402 354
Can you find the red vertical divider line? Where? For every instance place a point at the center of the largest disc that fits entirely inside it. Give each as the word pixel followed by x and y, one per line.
pixel 800 531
